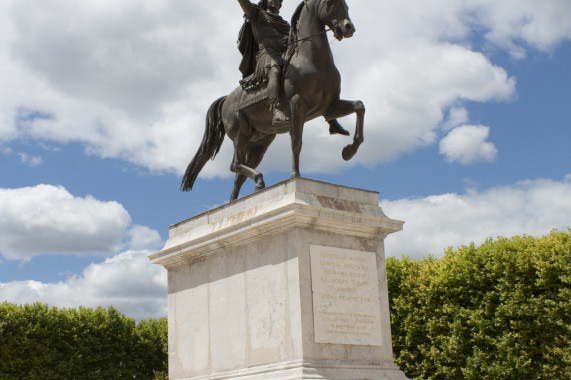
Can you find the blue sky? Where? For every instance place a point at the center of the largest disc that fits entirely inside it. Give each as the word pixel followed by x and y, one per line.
pixel 102 106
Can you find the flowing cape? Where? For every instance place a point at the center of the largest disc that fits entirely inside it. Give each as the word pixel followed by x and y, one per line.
pixel 248 47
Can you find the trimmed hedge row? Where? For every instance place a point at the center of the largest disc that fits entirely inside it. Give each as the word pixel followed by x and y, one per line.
pixel 38 342
pixel 501 310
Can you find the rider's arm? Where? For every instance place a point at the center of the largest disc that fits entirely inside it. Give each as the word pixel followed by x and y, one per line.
pixel 248 7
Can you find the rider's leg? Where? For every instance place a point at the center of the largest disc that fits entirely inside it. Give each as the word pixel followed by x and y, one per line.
pixel 336 128
pixel 274 89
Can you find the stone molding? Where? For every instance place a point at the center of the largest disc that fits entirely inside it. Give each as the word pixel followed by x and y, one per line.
pixel 312 370
pixel 290 204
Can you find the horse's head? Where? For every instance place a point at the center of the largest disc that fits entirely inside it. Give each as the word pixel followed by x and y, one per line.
pixel 335 14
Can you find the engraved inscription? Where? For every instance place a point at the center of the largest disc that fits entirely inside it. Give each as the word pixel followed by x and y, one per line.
pixel 346 307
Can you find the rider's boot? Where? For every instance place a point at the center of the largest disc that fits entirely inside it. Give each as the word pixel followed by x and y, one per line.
pixel 279 117
pixel 336 128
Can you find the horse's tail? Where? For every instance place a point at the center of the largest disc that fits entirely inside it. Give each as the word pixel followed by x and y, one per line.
pixel 209 147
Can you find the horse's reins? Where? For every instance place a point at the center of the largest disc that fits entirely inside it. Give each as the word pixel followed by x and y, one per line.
pixel 309 37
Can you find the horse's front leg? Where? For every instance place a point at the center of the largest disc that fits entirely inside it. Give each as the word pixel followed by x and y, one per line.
pixel 342 108
pixel 296 132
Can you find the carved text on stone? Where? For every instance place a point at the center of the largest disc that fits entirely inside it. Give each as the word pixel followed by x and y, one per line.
pixel 346 306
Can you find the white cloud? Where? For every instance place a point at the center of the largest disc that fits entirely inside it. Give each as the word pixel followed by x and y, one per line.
pixel 467 144
pixel 143 237
pixel 122 78
pixel 456 117
pixel 127 281
pixel 541 24
pixel 48 219
pixel 134 80
pixel 31 161
pixel 25 158
pixel 436 222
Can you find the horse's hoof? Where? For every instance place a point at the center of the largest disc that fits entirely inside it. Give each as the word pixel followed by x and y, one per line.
pixel 260 186
pixel 348 152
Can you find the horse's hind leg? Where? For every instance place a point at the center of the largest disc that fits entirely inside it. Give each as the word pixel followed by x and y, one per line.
pixel 343 108
pixel 242 172
pixel 258 150
pixel 247 156
pixel 238 182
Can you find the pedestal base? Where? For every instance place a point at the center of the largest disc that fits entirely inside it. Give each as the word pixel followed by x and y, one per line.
pixel 288 283
pixel 301 370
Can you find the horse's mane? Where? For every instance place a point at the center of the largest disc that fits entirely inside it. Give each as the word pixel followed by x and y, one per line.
pixel 294 30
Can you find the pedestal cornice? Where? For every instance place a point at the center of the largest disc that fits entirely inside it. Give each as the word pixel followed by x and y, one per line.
pixel 295 203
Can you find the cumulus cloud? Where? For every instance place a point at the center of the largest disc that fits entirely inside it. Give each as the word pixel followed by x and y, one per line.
pixel 122 78
pixel 456 117
pixel 467 145
pixel 511 24
pixel 47 219
pixel 532 207
pixel 126 281
pixel 133 80
pixel 143 237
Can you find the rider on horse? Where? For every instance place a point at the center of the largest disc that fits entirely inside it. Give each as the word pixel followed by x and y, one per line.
pixel 312 89
pixel 262 41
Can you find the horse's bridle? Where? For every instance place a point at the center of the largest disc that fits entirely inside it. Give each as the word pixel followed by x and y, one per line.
pixel 313 35
pixel 309 37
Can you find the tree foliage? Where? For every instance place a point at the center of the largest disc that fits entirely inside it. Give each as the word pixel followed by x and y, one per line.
pixel 501 310
pixel 38 342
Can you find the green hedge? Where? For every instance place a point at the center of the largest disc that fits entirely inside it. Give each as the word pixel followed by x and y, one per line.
pixel 38 342
pixel 501 310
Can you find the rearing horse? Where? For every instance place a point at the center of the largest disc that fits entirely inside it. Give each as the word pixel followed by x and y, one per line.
pixel 312 85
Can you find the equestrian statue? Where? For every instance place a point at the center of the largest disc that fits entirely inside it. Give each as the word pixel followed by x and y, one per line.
pixel 289 78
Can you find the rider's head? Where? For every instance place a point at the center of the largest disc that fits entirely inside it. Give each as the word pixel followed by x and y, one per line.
pixel 272 6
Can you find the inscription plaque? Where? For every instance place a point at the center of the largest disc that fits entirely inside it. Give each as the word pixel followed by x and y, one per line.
pixel 346 306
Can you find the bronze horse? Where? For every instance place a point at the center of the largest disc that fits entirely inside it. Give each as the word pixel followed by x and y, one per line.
pixel 312 85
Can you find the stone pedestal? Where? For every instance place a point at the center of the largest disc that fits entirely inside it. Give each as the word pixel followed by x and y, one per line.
pixel 287 283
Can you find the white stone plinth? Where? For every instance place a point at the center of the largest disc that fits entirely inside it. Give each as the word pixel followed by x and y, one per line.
pixel 287 283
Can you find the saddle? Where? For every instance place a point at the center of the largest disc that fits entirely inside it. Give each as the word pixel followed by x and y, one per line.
pixel 253 93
